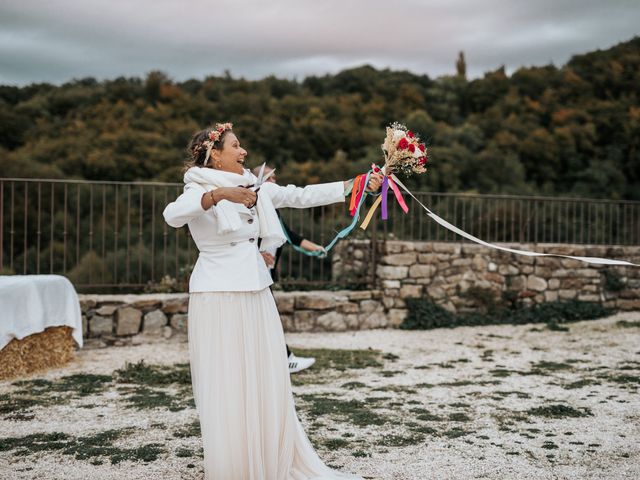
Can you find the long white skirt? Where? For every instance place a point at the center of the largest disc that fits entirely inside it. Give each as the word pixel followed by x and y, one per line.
pixel 242 391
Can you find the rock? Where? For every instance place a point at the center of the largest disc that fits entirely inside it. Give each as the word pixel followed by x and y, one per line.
pixel 391 272
pixel 494 278
pixel 180 322
pixel 396 317
pixel 348 307
pixel 391 283
pixel 550 296
pixel 368 306
pixel 358 254
pixel 628 304
pixel 536 283
pixel 85 326
pixel 399 259
pixel 553 284
pixel 418 271
pixel 479 263
pixel 287 323
pixel 388 302
pixel 453 248
pixel 392 247
pixel 411 291
pixel 436 292
pixel 587 273
pixel 99 326
pixel 518 283
pixel 492 267
pixel 285 302
pixel 572 283
pixel 331 322
pixel 461 262
pixel 127 321
pixel 427 258
pixel 167 332
pixel 567 294
pixel 86 303
pixel 106 310
pixel 147 303
pixel 154 323
pixel 304 320
pixel 318 300
pixel 589 298
pixel 507 269
pixel 175 306
pixel 360 295
pixel 373 320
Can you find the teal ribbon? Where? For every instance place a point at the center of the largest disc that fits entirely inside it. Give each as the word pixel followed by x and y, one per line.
pixel 341 234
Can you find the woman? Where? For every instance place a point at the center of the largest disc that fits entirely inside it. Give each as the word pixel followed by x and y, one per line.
pixel 240 378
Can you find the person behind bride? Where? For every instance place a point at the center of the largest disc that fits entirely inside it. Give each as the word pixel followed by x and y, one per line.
pixel 271 257
pixel 240 380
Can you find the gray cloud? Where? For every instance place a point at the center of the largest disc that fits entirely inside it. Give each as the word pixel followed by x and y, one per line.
pixel 61 39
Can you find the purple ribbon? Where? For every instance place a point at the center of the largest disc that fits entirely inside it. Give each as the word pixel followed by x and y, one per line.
pixel 385 189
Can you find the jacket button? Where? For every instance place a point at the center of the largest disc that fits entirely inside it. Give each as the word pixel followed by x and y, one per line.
pixel 250 220
pixel 252 240
pixel 233 244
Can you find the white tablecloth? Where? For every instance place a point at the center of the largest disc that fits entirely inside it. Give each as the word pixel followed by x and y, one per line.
pixel 31 303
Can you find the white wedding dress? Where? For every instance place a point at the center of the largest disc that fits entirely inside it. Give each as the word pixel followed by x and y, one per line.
pixel 242 391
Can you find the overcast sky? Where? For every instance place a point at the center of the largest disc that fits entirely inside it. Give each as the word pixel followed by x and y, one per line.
pixel 58 40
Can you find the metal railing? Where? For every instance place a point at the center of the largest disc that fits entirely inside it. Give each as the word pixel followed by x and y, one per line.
pixel 111 235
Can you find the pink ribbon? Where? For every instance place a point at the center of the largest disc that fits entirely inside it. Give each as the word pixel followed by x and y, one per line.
pixel 398 195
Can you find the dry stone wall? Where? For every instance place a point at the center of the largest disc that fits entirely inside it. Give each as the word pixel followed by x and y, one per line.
pixel 464 277
pixel 134 319
pixel 460 277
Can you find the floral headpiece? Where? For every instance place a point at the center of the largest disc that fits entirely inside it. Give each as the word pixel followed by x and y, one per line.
pixel 403 151
pixel 214 136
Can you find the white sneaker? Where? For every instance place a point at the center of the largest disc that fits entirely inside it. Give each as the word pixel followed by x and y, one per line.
pixel 299 363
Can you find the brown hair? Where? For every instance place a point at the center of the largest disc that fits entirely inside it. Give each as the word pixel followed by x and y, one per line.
pixel 197 151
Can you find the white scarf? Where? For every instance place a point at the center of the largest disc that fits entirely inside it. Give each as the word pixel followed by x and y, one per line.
pixel 227 214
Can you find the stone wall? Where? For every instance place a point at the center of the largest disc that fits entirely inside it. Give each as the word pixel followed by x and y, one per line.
pixel 134 319
pixel 460 277
pixel 463 277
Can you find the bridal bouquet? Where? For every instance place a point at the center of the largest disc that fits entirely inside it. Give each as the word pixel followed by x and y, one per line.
pixel 403 151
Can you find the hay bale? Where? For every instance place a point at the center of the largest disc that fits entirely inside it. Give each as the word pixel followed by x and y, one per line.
pixel 41 351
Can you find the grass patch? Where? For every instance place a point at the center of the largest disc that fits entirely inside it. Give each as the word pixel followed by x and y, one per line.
pixel 143 398
pixel 336 443
pixel 94 448
pixel 459 417
pixel 554 366
pixel 191 430
pixel 391 440
pixel 354 411
pixel 585 382
pixel 627 324
pixel 559 411
pixel 154 375
pixel 424 314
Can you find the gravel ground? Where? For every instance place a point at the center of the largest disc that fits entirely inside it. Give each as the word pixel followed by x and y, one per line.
pixel 506 402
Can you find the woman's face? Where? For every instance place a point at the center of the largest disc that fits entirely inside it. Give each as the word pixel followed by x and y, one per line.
pixel 231 157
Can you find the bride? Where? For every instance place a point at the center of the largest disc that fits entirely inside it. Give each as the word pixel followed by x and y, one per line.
pixel 240 376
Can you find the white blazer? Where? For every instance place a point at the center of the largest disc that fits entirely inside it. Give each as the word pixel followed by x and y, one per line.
pixel 231 262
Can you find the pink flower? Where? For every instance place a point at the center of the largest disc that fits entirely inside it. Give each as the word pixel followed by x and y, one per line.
pixel 421 147
pixel 410 133
pixel 412 148
pixel 403 144
pixel 422 160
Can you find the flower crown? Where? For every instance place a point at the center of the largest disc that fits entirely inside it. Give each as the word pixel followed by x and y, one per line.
pixel 214 136
pixel 403 150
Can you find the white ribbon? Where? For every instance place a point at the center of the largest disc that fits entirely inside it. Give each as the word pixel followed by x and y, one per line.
pixel 468 236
